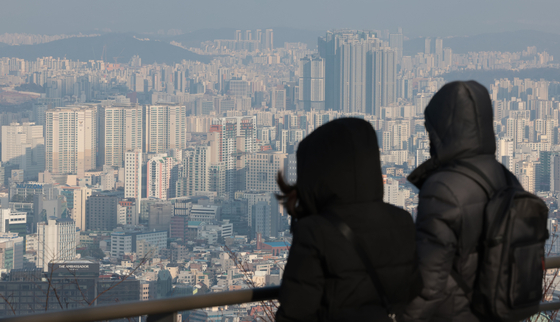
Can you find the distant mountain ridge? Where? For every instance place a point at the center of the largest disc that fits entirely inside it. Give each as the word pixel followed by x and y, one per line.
pixel 487 77
pixel 122 46
pixel 280 36
pixel 510 41
pixel 158 49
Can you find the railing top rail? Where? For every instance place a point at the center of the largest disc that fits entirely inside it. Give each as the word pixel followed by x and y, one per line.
pixel 153 307
pixel 185 303
pixel 552 262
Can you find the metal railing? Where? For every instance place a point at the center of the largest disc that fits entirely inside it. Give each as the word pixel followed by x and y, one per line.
pixel 162 310
pixel 165 310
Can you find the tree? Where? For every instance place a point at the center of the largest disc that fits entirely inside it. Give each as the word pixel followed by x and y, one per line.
pixel 267 307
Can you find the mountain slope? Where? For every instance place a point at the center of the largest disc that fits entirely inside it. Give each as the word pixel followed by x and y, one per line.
pixel 281 35
pixel 511 41
pixel 116 45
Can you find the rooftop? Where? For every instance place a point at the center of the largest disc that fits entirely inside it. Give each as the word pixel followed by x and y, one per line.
pixel 278 244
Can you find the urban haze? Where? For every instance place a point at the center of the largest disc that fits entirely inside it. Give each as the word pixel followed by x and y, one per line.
pixel 140 141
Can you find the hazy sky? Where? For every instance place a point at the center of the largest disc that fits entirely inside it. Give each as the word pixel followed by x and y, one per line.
pixel 417 17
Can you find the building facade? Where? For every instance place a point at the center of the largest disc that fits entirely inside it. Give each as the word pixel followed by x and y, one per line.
pixel 71 139
pixel 165 128
pixel 101 213
pixel 24 145
pixel 56 242
pixel 312 83
pixel 120 131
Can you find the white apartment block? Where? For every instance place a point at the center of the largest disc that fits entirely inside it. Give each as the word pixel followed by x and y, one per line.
pixel 120 130
pixel 24 145
pixel 158 176
pixel 165 128
pixel 234 136
pixel 56 242
pixel 133 176
pixel 196 171
pixel 71 139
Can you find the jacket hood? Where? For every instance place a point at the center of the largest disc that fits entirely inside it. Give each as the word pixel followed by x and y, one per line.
pixel 459 122
pixel 338 163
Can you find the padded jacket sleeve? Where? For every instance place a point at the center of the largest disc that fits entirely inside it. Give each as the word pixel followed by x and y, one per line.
pixel 303 281
pixel 437 226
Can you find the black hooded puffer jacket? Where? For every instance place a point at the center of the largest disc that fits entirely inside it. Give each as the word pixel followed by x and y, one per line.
pixel 450 210
pixel 325 280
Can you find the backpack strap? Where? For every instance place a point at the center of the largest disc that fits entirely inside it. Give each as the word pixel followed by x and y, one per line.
pixel 347 232
pixel 461 283
pixel 489 189
pixel 486 183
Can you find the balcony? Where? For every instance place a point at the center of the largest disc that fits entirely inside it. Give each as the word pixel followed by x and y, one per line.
pixel 165 310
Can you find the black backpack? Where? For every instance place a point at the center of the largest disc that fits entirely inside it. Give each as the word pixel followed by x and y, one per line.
pixel 508 285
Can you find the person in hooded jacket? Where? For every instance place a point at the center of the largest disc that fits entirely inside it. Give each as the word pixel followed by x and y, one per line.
pixel 451 205
pixel 339 172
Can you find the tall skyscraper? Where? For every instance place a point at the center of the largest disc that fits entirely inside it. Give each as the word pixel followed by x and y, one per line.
pixel 24 145
pixel 195 174
pixel 248 35
pixel 252 199
pixel 345 54
pixel 439 47
pixel 262 169
pixel 381 80
pixel 120 130
pixel 76 204
pixel 165 128
pixel 71 141
pixel 258 35
pixel 555 173
pixel 235 137
pixel 56 242
pixel 39 114
pixel 278 99
pixel 396 43
pixel 261 218
pixel 262 214
pixel 133 177
pixel 237 35
pixel 158 176
pixel 439 52
pixel 427 46
pixel 312 83
pixel 269 40
pixel 447 57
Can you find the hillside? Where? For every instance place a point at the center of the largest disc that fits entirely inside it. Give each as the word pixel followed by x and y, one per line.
pixel 281 35
pixel 512 41
pixel 116 45
pixel 487 77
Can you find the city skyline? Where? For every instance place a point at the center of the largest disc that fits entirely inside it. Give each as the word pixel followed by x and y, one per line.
pixel 163 174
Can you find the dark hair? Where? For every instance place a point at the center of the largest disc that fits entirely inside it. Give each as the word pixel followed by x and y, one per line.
pixel 288 196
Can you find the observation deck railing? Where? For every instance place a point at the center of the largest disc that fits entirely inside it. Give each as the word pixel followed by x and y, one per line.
pixel 165 310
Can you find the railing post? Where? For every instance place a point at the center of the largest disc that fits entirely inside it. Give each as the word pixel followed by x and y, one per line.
pixel 165 317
